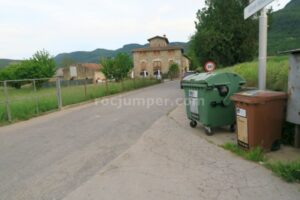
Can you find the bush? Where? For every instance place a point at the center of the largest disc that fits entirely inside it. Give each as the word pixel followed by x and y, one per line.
pixel 173 71
pixel 40 65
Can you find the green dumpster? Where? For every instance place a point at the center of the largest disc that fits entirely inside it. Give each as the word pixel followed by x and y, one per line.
pixel 208 99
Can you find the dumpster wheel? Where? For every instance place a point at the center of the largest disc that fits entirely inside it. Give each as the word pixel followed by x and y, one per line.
pixel 208 131
pixel 193 124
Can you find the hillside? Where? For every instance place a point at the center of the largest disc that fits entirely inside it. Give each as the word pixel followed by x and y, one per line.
pixel 96 55
pixel 285 28
pixel 5 62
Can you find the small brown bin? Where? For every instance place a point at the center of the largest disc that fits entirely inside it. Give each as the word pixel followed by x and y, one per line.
pixel 260 116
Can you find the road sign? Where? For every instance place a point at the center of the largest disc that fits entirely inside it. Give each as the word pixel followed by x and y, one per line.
pixel 210 66
pixel 255 6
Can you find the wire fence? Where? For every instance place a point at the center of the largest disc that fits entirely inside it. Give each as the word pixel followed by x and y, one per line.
pixel 24 99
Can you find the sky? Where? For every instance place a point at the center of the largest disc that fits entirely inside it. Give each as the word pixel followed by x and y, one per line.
pixel 60 26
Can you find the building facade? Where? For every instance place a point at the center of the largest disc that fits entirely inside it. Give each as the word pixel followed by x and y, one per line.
pixel 158 57
pixel 83 71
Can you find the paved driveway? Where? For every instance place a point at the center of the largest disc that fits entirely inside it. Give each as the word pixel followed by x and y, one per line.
pixel 50 156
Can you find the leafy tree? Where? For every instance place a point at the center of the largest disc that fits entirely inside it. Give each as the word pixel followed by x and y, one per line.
pixel 222 34
pixel 117 68
pixel 108 67
pixel 173 71
pixel 40 65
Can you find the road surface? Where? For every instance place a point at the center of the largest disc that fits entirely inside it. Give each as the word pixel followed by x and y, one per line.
pixel 48 157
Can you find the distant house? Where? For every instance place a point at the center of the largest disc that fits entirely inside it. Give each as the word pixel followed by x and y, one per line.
pixel 158 57
pixel 84 71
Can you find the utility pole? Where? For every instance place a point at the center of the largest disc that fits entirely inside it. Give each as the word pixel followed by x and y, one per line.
pixel 254 7
pixel 263 40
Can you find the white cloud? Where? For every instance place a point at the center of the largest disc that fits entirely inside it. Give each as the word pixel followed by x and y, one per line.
pixel 69 25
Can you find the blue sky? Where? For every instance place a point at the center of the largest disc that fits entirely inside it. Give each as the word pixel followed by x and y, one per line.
pixel 70 25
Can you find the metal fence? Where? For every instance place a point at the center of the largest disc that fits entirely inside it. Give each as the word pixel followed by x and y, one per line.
pixel 24 99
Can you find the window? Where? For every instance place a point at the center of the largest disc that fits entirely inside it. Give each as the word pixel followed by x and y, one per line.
pixel 156 63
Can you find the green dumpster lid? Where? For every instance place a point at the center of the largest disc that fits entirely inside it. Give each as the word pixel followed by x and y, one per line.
pixel 212 79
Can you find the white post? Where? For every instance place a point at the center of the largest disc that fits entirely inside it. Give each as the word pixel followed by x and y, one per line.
pixel 263 37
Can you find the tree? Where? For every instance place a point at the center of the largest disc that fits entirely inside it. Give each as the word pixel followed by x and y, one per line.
pixel 117 68
pixel 40 65
pixel 173 71
pixel 222 35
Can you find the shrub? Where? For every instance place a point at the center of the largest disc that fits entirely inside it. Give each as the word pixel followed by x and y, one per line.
pixel 173 71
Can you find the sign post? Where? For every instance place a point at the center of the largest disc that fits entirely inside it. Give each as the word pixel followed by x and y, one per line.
pixel 254 7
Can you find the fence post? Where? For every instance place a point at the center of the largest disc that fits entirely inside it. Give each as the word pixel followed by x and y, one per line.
pixel 7 102
pixel 36 97
pixel 58 90
pixel 106 87
pixel 85 88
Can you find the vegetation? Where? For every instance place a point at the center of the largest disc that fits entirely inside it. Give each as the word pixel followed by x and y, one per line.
pixel 285 30
pixel 222 34
pixel 6 62
pixel 173 71
pixel 255 155
pixel 117 68
pixel 277 73
pixel 25 103
pixel 289 172
pixel 98 54
pixel 40 65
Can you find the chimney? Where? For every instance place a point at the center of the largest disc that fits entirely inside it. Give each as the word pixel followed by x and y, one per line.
pixel 165 36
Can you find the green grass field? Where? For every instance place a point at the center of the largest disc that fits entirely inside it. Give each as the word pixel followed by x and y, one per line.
pixel 25 103
pixel 277 72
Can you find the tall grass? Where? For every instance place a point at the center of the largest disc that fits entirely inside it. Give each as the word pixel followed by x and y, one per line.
pixel 277 73
pixel 25 103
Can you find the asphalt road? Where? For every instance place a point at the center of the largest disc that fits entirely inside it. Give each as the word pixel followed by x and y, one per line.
pixel 50 156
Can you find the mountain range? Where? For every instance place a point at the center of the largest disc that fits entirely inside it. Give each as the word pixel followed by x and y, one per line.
pixel 284 34
pixel 96 55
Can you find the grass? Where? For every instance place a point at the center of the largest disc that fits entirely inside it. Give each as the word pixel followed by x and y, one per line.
pixel 289 172
pixel 277 72
pixel 255 155
pixel 25 103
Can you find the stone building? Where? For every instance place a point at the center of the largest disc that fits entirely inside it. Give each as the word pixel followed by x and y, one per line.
pixel 158 57
pixel 83 71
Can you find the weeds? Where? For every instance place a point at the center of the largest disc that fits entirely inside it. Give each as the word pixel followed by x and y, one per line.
pixel 255 155
pixel 289 172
